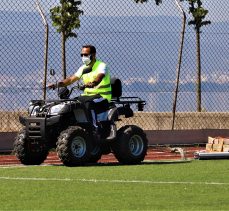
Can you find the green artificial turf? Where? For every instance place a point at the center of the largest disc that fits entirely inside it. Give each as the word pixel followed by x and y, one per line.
pixel 196 185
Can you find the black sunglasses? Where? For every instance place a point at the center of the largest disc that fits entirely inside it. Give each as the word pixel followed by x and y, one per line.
pixel 84 54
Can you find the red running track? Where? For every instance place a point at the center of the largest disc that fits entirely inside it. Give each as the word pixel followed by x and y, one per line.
pixel 153 153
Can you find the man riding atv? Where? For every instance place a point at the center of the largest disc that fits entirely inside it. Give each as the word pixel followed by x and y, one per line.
pixel 83 128
pixel 97 82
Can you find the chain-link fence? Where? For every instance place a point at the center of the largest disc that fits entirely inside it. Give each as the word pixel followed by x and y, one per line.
pixel 139 42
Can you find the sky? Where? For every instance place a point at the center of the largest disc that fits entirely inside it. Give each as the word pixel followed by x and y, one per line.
pixel 218 9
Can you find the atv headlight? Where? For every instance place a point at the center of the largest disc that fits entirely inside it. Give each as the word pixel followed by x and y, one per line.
pixel 56 109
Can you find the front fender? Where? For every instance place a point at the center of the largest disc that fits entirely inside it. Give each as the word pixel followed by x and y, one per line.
pixel 22 120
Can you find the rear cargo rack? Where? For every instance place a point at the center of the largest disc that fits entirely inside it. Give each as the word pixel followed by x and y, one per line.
pixel 130 100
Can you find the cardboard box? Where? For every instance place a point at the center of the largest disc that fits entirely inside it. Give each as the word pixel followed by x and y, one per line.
pixel 209 147
pixel 226 140
pixel 217 147
pixel 211 140
pixel 216 141
pixel 220 140
pixel 226 148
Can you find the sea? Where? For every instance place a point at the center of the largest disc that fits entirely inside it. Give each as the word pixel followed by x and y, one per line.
pixel 18 99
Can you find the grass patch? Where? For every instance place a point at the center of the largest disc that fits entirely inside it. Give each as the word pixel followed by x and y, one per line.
pixel 199 185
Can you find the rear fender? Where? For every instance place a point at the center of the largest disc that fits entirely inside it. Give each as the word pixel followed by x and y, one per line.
pixel 22 120
pixel 113 114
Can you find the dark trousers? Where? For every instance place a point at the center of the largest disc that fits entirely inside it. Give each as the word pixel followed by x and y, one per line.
pixel 91 105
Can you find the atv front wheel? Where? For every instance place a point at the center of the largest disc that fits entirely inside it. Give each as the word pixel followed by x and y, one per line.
pixel 74 146
pixel 96 154
pixel 131 145
pixel 24 152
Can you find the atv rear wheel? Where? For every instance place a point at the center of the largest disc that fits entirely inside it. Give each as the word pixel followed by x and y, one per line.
pixel 131 145
pixel 23 151
pixel 74 146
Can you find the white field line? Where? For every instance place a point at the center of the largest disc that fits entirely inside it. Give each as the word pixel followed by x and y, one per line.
pixel 8 166
pixel 113 181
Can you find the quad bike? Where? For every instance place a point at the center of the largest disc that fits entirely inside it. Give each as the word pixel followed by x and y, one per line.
pixel 64 124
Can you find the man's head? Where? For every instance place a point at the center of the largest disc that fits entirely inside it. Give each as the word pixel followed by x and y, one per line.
pixel 88 54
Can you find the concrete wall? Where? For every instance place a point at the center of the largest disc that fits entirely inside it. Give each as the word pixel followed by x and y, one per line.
pixel 189 127
pixel 183 120
pixel 6 141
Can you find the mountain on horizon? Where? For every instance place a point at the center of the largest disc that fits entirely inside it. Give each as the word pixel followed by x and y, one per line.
pixel 132 49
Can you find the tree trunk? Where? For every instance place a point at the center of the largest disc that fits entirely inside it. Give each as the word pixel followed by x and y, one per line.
pixel 198 84
pixel 63 56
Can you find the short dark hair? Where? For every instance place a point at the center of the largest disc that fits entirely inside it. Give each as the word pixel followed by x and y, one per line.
pixel 92 48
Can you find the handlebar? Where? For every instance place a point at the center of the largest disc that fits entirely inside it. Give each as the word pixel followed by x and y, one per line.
pixel 64 92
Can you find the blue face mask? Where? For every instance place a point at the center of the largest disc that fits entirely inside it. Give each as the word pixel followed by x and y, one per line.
pixel 86 60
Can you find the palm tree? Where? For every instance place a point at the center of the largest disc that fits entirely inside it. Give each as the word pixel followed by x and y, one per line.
pixel 65 18
pixel 198 13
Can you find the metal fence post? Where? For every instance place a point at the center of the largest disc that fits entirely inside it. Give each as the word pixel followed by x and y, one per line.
pixel 46 47
pixel 179 61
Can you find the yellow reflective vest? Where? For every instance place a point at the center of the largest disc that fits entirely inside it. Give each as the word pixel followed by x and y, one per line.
pixel 104 87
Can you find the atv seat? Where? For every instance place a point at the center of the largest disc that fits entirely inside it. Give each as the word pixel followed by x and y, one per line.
pixel 116 92
pixel 116 88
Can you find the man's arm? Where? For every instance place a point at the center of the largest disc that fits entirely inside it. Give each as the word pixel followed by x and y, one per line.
pixel 65 82
pixel 68 81
pixel 94 83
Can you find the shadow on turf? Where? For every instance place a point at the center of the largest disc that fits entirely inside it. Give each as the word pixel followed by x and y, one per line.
pixel 146 162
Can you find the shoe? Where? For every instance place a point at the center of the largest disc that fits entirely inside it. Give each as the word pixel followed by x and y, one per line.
pixel 113 133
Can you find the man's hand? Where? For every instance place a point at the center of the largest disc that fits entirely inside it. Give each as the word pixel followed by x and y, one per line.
pixel 90 85
pixel 96 82
pixel 57 84
pixel 81 87
pixel 52 86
